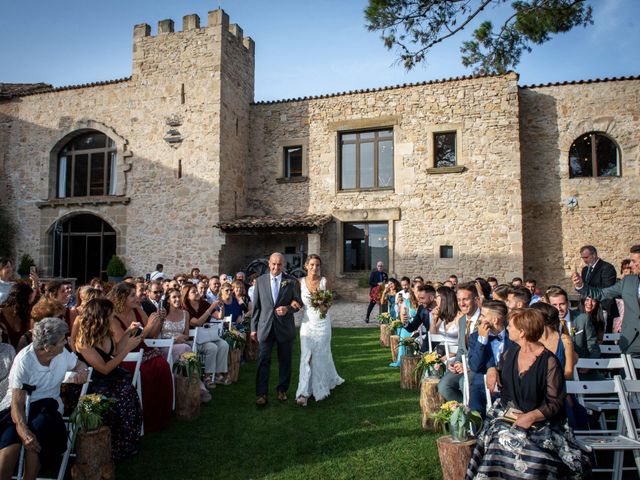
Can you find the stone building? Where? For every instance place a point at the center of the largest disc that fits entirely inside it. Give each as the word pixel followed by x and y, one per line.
pixel 177 164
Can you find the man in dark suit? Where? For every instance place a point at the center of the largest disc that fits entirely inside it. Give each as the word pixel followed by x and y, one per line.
pixel 153 301
pixel 276 299
pixel 629 290
pixel 600 274
pixel 377 277
pixel 425 295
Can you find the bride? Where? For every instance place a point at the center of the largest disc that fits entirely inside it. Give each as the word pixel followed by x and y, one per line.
pixel 318 375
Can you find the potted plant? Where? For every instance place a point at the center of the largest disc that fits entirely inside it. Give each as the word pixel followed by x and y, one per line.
pixel 24 268
pixel 236 341
pixel 116 269
pixel 429 366
pixel 93 439
pixel 456 418
pixel 384 319
pixel 188 372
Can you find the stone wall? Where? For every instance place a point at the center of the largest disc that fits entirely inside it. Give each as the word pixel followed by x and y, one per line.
pixel 552 118
pixel 477 211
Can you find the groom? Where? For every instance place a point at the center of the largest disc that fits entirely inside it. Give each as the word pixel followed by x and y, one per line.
pixel 272 322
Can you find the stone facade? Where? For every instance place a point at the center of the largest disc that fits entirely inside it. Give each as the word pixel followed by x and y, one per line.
pixel 193 149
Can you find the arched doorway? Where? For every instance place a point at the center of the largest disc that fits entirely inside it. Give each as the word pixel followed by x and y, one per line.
pixel 82 247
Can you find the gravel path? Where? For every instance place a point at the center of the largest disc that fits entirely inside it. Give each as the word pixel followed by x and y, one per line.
pixel 349 315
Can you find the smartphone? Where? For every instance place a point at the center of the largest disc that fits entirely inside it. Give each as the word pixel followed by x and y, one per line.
pixel 33 270
pixel 138 332
pixel 147 277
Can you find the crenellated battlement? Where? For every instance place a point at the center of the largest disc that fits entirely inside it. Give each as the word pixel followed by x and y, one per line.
pixel 215 19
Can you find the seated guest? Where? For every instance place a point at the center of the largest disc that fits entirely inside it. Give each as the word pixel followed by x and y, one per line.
pixel 176 325
pixel 240 294
pixel 444 317
pixel 556 339
pixel 518 297
pixel 425 295
pixel 213 349
pixel 155 373
pixel 85 294
pixel 582 332
pixel 501 293
pixel 252 287
pixel 60 291
pixel 595 315
pixel 97 284
pixel 202 286
pixel 530 284
pixel 7 354
pixel 532 391
pixel 96 346
pixel 493 283
pixel 194 276
pixel 213 292
pixel 42 365
pixel 486 345
pixel 153 302
pixel 43 308
pixel 484 289
pixel 625 268
pixel 516 282
pixel 15 313
pixel 450 386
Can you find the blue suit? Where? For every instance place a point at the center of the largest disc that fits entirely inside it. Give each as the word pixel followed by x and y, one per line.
pixel 481 359
pixel 422 317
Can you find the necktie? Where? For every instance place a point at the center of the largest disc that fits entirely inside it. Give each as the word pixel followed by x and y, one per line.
pixel 588 275
pixel 274 289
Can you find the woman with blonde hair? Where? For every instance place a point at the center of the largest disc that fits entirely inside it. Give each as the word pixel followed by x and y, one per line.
pixel 96 346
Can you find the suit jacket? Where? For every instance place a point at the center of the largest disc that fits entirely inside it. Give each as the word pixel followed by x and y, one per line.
pixel 603 275
pixel 422 317
pixel 585 340
pixel 462 338
pixel 374 278
pixel 627 289
pixel 264 317
pixel 481 356
pixel 148 307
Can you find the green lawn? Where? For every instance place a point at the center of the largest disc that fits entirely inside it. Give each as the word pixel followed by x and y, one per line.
pixel 367 428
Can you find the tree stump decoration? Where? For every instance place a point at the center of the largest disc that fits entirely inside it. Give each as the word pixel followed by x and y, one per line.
pixel 430 400
pixel 395 344
pixel 408 364
pixel 454 457
pixel 93 456
pixel 385 341
pixel 187 398
pixel 234 364
pixel 251 350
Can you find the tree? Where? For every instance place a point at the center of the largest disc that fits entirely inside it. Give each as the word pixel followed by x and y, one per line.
pixel 415 26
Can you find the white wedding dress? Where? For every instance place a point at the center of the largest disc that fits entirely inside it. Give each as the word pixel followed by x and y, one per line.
pixel 318 375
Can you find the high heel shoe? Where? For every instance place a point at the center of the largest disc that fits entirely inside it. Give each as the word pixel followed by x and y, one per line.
pixel 302 401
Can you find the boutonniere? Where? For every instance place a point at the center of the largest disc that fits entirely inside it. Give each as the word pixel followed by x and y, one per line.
pixel 573 331
pixel 284 283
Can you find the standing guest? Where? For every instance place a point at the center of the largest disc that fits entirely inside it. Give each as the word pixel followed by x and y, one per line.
pixel 97 284
pixel 493 283
pixel 486 345
pixel 43 365
pixel 629 290
pixel 214 350
pixel 158 273
pixel 6 278
pixel 453 279
pixel 15 314
pixel 153 302
pixel 532 387
pixel 582 332
pixel 389 295
pixel 155 374
pixel 252 287
pixel 194 276
pixel 243 278
pixel 516 282
pixel 451 385
pixel 518 297
pixel 600 274
pixel 405 287
pixel 530 284
pixel 425 295
pixel 95 346
pixel 484 289
pixel 449 284
pixel 376 278
pixel 625 269
pixel 166 285
pixel 501 292
pixel 213 293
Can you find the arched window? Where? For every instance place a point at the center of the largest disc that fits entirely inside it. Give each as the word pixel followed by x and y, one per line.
pixel 86 166
pixel 594 155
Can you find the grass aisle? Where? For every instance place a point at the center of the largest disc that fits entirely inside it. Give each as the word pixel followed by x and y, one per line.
pixel 367 428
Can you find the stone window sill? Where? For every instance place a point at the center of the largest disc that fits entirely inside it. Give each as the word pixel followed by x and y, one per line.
pixel 292 179
pixel 82 201
pixel 443 170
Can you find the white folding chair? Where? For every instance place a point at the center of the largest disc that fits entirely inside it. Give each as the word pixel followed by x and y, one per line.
pixel 434 338
pixel 611 337
pixel 450 348
pixel 168 344
pixel 193 336
pixel 136 381
pixel 487 392
pixel 610 349
pixel 628 403
pixel 465 385
pixel 615 441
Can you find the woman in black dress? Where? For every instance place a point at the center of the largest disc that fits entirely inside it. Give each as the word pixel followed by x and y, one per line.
pixel 534 441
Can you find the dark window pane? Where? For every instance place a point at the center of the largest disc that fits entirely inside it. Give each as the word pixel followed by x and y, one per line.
pixel 606 157
pixel 97 173
pixel 580 162
pixel 367 173
pixel 385 163
pixel 90 141
pixel 446 251
pixel 80 175
pixel 68 180
pixel 445 149
pixel 348 179
pixel 378 244
pixel 293 162
pixel 354 247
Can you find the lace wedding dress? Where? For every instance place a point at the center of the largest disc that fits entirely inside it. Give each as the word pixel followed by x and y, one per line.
pixel 318 375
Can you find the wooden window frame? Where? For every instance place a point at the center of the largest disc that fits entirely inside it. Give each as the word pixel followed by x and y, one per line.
pixel 357 142
pixel 594 156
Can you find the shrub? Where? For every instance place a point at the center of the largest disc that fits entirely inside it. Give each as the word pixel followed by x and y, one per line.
pixel 115 267
pixel 26 262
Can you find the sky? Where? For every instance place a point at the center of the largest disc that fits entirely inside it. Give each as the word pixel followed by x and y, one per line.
pixel 303 48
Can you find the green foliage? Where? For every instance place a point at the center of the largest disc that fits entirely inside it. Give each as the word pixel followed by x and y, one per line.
pixel 234 339
pixel 415 26
pixel 462 419
pixel 384 318
pixel 87 417
pixel 393 326
pixel 363 280
pixel 116 268
pixel 188 365
pixel 26 262
pixel 7 233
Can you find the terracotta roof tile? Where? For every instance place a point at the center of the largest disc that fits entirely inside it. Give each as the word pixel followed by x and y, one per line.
pixel 583 82
pixel 8 90
pixel 46 88
pixel 275 222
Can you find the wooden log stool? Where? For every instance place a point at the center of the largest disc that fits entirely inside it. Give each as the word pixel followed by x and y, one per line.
pixel 234 364
pixel 408 364
pixel 251 350
pixel 430 400
pixel 93 456
pixel 395 345
pixel 384 335
pixel 454 457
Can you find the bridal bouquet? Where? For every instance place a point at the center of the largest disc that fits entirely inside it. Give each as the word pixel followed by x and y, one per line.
pixel 322 300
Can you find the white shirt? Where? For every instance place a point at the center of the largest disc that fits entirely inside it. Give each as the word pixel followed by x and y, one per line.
pixel 28 370
pixel 158 275
pixel 474 320
pixel 211 297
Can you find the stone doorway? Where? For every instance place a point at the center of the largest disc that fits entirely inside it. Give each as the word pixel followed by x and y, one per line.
pixel 82 246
